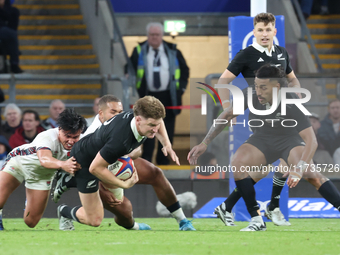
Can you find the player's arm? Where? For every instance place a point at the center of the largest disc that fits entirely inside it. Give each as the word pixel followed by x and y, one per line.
pixel 293 80
pixel 226 78
pixel 136 153
pixel 48 161
pixel 215 129
pixel 163 138
pixel 99 169
pixel 309 137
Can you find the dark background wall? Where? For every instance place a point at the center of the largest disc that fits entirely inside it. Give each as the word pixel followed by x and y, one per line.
pixel 144 199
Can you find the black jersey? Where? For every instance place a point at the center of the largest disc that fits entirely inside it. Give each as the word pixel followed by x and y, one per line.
pixel 249 60
pixel 113 139
pixel 273 122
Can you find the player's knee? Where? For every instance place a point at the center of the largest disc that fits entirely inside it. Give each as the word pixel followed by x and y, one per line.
pixel 95 222
pixel 31 222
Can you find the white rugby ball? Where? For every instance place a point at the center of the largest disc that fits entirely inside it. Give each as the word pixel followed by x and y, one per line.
pixel 122 168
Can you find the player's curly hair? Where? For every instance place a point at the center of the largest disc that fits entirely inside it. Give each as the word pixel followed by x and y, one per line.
pixel 264 17
pixel 272 72
pixel 149 107
pixel 69 120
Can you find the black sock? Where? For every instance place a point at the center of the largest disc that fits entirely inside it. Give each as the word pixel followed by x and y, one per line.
pixel 232 199
pixel 69 212
pixel 247 191
pixel 330 193
pixel 70 182
pixel 174 207
pixel 278 184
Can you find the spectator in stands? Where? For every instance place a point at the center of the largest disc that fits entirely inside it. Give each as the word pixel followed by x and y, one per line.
pixel 321 156
pixel 28 131
pixel 163 73
pixel 5 148
pixel 9 20
pixel 13 120
pixel 56 107
pixel 306 7
pixel 324 7
pixel 329 131
pixel 95 111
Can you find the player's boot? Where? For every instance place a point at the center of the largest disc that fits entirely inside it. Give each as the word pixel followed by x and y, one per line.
pixel 276 217
pixel 64 223
pixel 226 217
pixel 185 225
pixel 58 185
pixel 1 226
pixel 143 226
pixel 256 224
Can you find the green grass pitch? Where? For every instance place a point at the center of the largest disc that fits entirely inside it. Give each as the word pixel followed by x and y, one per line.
pixel 305 236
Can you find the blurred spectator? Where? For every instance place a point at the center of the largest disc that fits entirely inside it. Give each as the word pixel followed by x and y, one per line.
pixel 329 131
pixel 207 168
pixel 56 107
pixel 306 7
pixel 13 120
pixel 324 7
pixel 95 111
pixel 321 156
pixel 4 149
pixel 9 21
pixel 163 73
pixel 28 131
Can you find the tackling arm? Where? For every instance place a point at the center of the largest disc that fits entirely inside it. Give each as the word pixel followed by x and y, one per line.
pixel 224 93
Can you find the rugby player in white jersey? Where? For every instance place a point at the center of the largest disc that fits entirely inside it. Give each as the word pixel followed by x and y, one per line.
pixel 148 173
pixel 36 163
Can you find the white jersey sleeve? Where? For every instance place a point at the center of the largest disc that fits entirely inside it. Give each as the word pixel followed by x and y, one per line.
pixel 93 127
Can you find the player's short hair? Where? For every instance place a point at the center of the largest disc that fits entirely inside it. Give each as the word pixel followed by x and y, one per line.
pixel 149 107
pixel 36 115
pixel 154 24
pixel 12 106
pixel 69 120
pixel 265 17
pixel 333 101
pixel 107 99
pixel 272 72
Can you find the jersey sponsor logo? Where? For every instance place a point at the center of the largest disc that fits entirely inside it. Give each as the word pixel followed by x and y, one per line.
pixel 109 121
pixel 260 60
pixel 91 184
pixel 279 57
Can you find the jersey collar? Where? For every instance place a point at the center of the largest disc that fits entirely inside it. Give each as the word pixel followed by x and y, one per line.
pixel 263 49
pixel 138 137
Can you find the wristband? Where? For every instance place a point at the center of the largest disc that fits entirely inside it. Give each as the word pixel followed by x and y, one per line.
pixel 204 143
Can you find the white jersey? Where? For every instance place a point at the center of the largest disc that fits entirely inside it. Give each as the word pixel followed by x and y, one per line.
pixel 93 127
pixel 26 158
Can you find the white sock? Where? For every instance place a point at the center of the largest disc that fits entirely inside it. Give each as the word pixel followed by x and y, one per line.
pixel 135 226
pixel 178 215
pixel 0 213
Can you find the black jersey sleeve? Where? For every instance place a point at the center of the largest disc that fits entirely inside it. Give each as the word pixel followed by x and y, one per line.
pixel 112 151
pixel 237 64
pixel 289 68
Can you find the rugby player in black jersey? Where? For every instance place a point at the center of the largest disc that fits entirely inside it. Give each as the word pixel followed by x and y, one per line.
pixel 270 142
pixel 116 137
pixel 148 173
pixel 246 62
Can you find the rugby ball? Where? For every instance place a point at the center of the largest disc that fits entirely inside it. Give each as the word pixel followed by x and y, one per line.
pixel 122 168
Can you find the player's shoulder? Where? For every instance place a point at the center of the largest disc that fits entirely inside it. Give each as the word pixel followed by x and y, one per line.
pixel 50 134
pixel 280 49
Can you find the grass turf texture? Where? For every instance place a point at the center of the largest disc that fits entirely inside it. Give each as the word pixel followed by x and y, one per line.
pixel 305 236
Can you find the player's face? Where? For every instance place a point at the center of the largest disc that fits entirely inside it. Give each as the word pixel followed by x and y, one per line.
pixel 29 123
pixel 155 37
pixel 67 139
pixel 264 34
pixel 112 109
pixel 264 90
pixel 334 110
pixel 147 126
